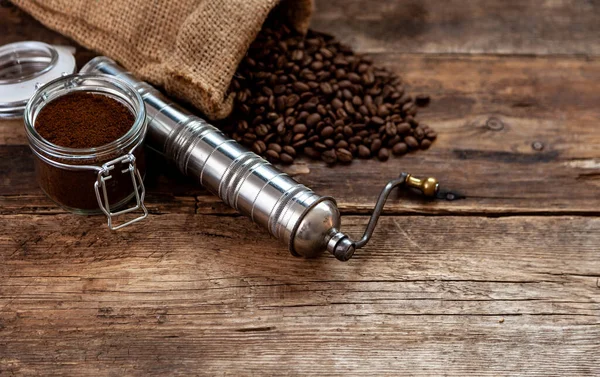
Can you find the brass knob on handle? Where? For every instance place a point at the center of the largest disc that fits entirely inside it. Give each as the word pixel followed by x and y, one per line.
pixel 428 186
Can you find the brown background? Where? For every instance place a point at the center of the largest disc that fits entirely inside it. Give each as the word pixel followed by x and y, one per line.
pixel 504 281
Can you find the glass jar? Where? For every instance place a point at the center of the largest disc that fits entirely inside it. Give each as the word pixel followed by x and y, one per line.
pixel 91 180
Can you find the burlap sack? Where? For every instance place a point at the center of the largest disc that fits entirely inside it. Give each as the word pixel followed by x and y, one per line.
pixel 190 47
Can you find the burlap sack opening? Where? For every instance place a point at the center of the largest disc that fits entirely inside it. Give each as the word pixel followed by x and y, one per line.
pixel 190 47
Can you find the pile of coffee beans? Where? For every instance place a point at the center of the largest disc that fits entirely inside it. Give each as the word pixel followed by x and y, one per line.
pixel 312 95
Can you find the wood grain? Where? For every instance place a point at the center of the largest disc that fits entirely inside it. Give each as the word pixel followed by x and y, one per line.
pixel 198 293
pixel 534 27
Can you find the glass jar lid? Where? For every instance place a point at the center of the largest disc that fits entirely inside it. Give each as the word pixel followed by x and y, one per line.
pixel 24 66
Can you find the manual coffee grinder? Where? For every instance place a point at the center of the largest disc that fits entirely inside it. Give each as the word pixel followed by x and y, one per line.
pixel 307 222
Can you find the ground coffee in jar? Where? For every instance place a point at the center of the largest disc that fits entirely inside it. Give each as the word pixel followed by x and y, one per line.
pixel 86 132
pixel 83 120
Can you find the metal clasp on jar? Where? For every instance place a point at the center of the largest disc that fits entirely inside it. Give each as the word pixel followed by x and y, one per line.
pixel 104 174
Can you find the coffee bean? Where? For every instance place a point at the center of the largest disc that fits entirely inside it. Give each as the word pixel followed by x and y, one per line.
pixel 394 140
pixel 376 145
pixel 313 84
pixel 327 54
pixel 290 121
pixel 305 96
pixel 372 109
pixel 290 150
pixel 411 142
pixel 383 111
pixel 363 110
pixel 383 154
pixel 348 131
pixel 412 110
pixel 320 146
pixel 355 139
pixel 301 87
pixel 281 103
pixel 313 119
pixel 259 147
pixel 327 132
pixel 300 128
pixel 311 104
pixel 316 66
pixel 280 129
pixel 279 89
pixel 262 130
pixel 431 134
pixel 286 158
pixel 349 107
pixel 322 110
pixel 275 147
pixel 341 113
pixel 302 116
pixel 248 138
pixel 242 126
pixel 425 143
pixel 419 133
pixel 267 91
pixel 326 88
pixel 400 149
pixel 272 155
pixel 377 121
pixel 364 152
pixel 340 61
pixel 297 55
pixel 299 143
pixel 390 129
pixel 344 155
pixel 354 78
pixel 329 156
pixel 337 104
pixel 312 153
pixel 292 100
pixel 403 128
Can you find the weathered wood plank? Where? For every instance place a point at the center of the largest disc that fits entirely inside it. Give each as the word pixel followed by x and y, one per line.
pixel 454 295
pixel 488 111
pixel 468 27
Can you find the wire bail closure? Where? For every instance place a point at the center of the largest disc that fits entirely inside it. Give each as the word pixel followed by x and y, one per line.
pixel 104 174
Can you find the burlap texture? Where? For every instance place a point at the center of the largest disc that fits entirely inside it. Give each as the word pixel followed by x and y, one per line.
pixel 190 47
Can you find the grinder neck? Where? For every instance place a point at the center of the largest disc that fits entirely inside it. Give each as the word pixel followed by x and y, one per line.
pixel 343 247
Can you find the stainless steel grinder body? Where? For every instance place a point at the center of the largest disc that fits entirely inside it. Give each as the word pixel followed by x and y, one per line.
pixel 290 211
pixel 308 223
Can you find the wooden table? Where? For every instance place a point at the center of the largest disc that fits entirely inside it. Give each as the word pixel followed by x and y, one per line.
pixel 504 281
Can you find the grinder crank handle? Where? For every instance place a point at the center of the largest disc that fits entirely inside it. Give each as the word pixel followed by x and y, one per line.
pixel 343 247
